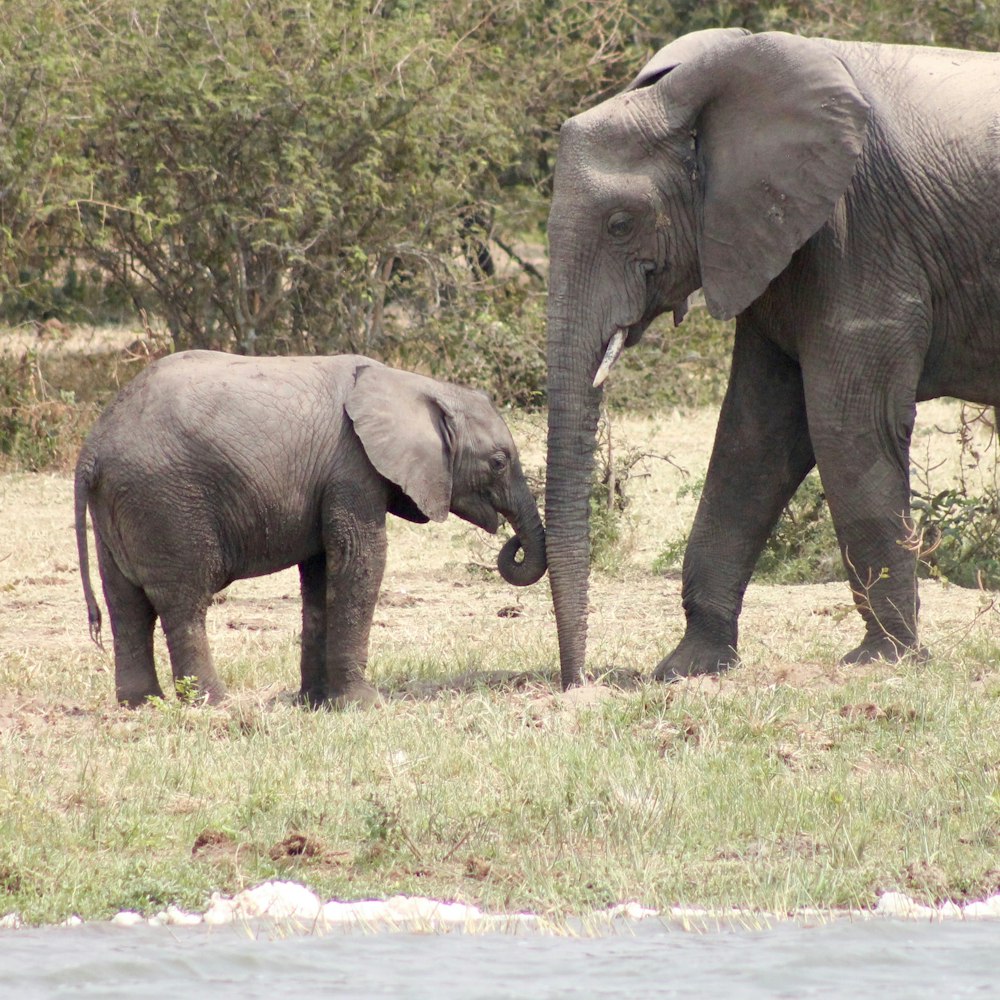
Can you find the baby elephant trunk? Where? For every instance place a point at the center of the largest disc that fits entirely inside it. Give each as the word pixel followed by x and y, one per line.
pixel 529 540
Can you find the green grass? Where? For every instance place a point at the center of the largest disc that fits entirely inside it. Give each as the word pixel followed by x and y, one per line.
pixel 759 795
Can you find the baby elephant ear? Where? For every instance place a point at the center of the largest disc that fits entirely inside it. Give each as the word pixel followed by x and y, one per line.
pixel 407 433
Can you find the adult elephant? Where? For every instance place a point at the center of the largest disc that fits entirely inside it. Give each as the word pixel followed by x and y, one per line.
pixel 842 201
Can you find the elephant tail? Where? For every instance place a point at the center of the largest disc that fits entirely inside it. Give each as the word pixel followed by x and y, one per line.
pixel 81 493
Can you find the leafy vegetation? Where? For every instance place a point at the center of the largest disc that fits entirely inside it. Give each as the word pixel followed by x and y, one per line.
pixel 370 175
pixel 40 427
pixel 803 546
pixel 960 536
pixel 957 528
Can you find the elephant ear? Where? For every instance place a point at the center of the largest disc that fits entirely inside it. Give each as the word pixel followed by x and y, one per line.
pixel 778 125
pixel 683 49
pixel 407 431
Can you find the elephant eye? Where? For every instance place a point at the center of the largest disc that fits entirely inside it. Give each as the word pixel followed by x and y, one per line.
pixel 621 224
pixel 498 462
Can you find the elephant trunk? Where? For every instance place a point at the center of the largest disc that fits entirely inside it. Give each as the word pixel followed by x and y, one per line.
pixel 574 408
pixel 529 539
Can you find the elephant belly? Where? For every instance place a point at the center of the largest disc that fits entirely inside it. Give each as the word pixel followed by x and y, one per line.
pixel 269 546
pixel 965 361
pixel 983 390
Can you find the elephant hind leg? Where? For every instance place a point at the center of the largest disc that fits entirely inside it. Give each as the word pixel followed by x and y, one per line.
pixel 861 426
pixel 133 619
pixel 190 656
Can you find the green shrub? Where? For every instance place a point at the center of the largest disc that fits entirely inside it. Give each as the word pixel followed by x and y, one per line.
pixel 610 524
pixel 40 427
pixel 959 536
pixel 500 348
pixel 956 530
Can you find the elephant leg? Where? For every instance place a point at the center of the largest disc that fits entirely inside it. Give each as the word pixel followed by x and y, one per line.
pixel 190 656
pixel 355 564
pixel 862 438
pixel 312 577
pixel 133 620
pixel 761 454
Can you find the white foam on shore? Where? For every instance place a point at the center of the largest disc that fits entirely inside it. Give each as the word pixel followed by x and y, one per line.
pixel 298 908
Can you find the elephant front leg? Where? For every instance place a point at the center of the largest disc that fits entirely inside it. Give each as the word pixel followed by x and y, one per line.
pixel 355 565
pixel 761 454
pixel 312 579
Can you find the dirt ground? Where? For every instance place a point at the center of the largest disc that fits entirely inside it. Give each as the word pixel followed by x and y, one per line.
pixel 441 596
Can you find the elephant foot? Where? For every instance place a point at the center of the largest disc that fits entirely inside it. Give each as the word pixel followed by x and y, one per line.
pixel 886 648
pixel 212 694
pixel 192 691
pixel 694 657
pixel 137 697
pixel 359 694
pixel 310 698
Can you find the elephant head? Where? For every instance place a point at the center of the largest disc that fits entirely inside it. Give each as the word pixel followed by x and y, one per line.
pixel 725 155
pixel 447 449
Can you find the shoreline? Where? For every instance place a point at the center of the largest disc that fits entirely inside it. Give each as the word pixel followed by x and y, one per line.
pixel 295 908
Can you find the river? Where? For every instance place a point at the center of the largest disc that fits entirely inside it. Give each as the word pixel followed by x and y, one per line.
pixel 882 957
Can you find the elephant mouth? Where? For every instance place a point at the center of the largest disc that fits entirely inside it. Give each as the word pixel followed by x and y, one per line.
pixel 624 336
pixel 629 336
pixel 482 515
pixel 612 353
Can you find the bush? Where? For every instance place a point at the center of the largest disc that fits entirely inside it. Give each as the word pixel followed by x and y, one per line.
pixel 956 530
pixel 342 175
pixel 40 166
pixel 803 546
pixel 681 366
pixel 279 177
pixel 40 428
pixel 495 343
pixel 610 524
pixel 959 536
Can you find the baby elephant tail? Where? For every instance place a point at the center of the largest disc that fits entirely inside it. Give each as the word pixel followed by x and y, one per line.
pixel 81 492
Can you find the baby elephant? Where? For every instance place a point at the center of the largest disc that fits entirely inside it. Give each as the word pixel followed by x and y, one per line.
pixel 209 468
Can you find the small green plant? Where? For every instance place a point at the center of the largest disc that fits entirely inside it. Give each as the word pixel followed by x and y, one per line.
pixel 187 690
pixel 385 832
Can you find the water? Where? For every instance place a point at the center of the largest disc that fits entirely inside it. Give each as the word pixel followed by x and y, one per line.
pixel 883 957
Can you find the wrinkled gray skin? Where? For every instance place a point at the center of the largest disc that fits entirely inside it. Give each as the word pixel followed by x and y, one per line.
pixel 842 201
pixel 210 468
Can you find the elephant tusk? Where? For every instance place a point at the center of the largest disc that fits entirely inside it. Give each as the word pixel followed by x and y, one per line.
pixel 615 347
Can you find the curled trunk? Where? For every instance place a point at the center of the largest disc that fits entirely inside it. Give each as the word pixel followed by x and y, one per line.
pixel 529 540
